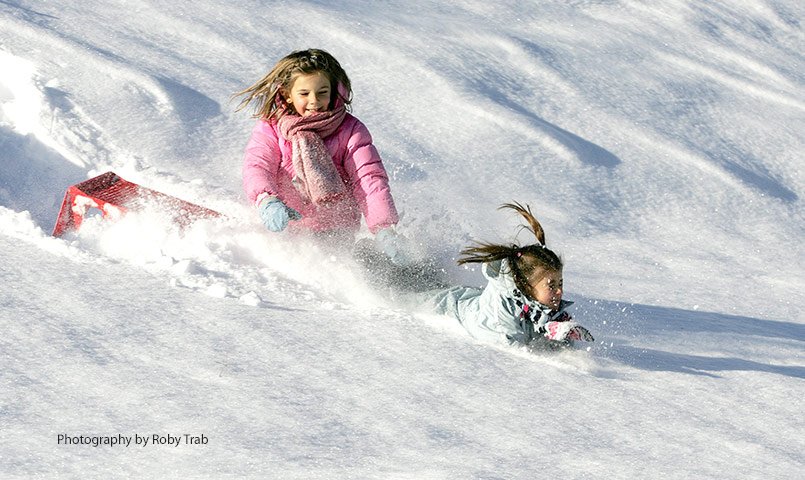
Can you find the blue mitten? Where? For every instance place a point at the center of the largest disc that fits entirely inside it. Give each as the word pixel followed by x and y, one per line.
pixel 275 214
pixel 393 246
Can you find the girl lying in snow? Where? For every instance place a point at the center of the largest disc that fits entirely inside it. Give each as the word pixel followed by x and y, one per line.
pixel 311 164
pixel 522 301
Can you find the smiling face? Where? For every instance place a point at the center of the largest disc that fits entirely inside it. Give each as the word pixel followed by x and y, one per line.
pixel 546 287
pixel 310 93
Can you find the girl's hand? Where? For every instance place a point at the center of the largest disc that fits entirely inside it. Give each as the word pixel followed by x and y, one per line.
pixel 275 214
pixel 561 331
pixel 393 246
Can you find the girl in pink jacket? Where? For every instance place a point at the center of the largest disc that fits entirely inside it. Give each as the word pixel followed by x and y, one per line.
pixel 310 165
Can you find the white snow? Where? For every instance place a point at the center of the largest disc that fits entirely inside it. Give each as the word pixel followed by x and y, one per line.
pixel 660 144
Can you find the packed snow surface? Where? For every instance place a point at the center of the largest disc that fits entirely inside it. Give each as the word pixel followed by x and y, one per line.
pixel 660 144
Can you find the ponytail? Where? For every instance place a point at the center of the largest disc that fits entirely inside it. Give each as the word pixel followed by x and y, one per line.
pixel 523 261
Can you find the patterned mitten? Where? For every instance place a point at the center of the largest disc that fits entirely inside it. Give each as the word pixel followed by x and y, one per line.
pixel 561 331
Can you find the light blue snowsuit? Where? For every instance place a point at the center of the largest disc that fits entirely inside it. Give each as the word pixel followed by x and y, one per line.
pixel 497 313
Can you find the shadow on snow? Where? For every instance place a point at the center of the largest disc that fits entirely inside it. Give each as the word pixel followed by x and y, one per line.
pixel 34 177
pixel 610 320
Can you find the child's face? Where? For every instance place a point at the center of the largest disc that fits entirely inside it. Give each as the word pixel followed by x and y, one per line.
pixel 546 287
pixel 310 93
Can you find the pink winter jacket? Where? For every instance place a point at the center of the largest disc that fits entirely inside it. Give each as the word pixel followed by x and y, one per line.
pixel 267 167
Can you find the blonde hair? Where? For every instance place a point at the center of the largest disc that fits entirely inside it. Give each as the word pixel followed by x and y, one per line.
pixel 266 95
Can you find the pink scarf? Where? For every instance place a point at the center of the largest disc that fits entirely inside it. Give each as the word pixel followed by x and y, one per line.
pixel 316 179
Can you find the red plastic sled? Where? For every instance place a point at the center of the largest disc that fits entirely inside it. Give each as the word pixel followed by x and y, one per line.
pixel 112 197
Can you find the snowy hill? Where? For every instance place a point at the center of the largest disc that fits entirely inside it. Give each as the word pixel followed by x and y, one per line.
pixel 660 146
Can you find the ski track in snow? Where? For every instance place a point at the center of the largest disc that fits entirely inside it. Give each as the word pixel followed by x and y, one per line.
pixel 659 145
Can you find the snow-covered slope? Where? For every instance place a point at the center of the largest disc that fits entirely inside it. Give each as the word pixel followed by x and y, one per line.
pixel 660 145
